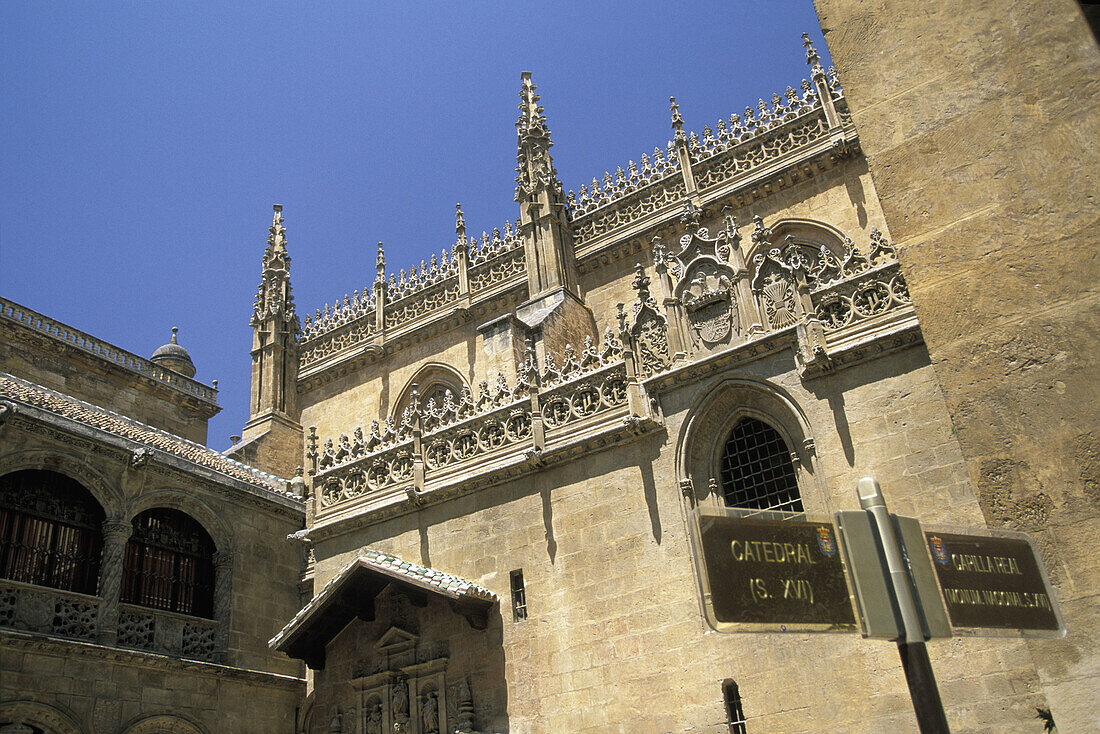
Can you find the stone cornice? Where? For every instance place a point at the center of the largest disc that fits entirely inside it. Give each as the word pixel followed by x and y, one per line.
pixel 29 641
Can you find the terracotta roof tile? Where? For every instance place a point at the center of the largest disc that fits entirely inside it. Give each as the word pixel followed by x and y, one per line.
pixel 14 388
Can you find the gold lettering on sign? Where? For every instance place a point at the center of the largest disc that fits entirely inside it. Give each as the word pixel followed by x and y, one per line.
pixel 985 564
pixel 760 551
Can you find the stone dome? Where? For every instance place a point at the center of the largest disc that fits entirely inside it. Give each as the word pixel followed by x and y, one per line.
pixel 174 357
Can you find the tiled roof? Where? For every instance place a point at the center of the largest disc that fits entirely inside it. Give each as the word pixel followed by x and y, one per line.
pixel 369 560
pixel 28 393
pixel 424 576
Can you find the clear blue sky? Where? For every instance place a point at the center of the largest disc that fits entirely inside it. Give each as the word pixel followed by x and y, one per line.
pixel 142 144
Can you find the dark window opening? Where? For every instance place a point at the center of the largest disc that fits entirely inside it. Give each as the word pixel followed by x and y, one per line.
pixel 735 716
pixel 757 471
pixel 169 564
pixel 519 596
pixel 50 531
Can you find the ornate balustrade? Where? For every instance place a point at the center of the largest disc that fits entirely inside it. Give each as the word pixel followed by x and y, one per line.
pixel 48 611
pixel 499 266
pixel 11 311
pixel 650 171
pixel 793 121
pixel 472 266
pixel 167 633
pixel 584 395
pixel 861 297
pixel 76 616
pixel 444 438
pixel 388 467
pixel 721 161
pixel 474 437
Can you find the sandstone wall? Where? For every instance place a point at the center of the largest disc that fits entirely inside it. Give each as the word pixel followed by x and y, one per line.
pixel 980 127
pixel 616 640
pixel 105 693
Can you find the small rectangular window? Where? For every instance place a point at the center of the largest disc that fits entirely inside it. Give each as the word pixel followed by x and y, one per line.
pixel 519 596
pixel 735 716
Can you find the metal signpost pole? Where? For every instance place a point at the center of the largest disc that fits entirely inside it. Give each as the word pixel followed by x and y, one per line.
pixel 914 656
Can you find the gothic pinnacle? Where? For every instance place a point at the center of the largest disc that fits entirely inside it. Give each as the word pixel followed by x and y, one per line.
pixel 460 223
pixel 380 263
pixel 677 118
pixel 812 59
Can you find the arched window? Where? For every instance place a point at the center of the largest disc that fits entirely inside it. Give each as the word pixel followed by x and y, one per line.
pixel 50 531
pixel 169 564
pixel 735 715
pixel 757 471
pixel 432 383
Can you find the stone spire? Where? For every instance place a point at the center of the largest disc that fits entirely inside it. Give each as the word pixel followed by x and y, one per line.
pixel 274 297
pixel 534 167
pixel 272 436
pixel 543 223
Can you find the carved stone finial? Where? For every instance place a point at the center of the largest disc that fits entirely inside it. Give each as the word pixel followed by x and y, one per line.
pixel 534 166
pixel 760 233
pixel 7 410
pixel 659 256
pixel 140 458
pixel 380 264
pixel 731 223
pixel 677 118
pixel 460 223
pixel 812 59
pixel 274 298
pixel 641 283
pixel 691 215
pixel 620 316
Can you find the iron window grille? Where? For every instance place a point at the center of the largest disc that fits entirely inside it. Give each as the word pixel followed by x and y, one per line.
pixel 51 531
pixel 735 715
pixel 169 564
pixel 757 471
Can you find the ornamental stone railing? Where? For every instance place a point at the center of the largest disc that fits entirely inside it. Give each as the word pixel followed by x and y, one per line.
pixel 498 266
pixel 28 318
pixel 862 297
pixel 584 395
pixel 74 616
pixel 732 150
pixel 48 611
pixel 168 633
pixel 438 441
pixel 473 266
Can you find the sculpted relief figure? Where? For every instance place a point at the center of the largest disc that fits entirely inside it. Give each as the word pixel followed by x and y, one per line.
pixel 430 713
pixel 374 719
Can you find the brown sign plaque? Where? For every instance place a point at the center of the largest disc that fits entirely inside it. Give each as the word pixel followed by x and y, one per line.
pixel 773 574
pixel 991 582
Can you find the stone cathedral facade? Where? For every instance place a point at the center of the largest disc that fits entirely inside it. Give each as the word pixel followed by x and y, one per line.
pixel 461 502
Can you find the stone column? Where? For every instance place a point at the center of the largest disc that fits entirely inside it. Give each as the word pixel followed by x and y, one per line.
pixel 223 602
pixel 116 532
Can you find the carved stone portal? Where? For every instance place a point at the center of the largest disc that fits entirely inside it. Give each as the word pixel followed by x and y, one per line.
pixel 406 690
